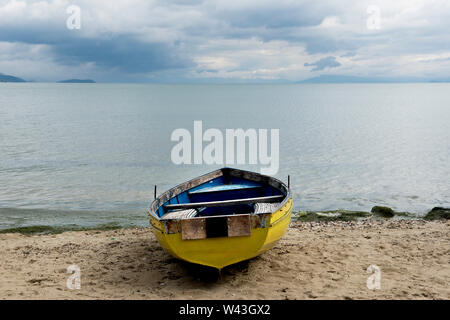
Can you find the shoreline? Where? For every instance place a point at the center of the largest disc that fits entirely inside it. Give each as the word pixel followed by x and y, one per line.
pixel 377 212
pixel 314 260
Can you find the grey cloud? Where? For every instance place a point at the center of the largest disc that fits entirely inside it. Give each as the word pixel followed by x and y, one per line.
pixel 348 55
pixel 328 62
pixel 270 18
pixel 163 36
pixel 122 52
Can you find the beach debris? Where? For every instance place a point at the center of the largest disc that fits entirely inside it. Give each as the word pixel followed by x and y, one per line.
pixel 329 214
pixel 319 226
pixel 37 281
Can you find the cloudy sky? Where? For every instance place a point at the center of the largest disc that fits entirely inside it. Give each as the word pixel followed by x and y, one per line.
pixel 224 40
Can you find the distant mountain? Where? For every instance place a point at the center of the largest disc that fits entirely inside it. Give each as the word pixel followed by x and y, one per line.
pixel 77 81
pixel 354 79
pixel 7 78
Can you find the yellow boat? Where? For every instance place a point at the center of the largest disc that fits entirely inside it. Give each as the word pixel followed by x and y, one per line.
pixel 221 218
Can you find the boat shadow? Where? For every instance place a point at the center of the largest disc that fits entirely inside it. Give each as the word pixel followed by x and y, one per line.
pixel 143 264
pixel 207 274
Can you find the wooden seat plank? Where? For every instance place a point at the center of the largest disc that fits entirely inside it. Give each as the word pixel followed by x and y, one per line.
pixel 224 202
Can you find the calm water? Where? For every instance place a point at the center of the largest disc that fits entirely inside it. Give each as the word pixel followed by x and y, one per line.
pixel 90 154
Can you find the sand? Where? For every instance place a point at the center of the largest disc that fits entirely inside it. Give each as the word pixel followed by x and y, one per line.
pixel 313 261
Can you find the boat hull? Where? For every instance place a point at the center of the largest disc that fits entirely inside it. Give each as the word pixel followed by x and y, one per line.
pixel 223 251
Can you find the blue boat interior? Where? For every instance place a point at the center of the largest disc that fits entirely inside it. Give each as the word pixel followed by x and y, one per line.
pixel 222 188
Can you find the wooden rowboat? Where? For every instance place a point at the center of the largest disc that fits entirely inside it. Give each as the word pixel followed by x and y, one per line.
pixel 223 217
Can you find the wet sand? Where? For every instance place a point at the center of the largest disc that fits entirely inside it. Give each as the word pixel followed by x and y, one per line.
pixel 313 261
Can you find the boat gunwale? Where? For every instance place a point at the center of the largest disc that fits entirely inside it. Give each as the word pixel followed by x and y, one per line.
pixel 182 187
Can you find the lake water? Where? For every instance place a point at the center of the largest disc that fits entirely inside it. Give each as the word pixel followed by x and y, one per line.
pixel 86 154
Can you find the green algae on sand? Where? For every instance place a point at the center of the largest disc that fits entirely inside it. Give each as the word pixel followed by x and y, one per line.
pixel 333 215
pixel 438 213
pixel 34 230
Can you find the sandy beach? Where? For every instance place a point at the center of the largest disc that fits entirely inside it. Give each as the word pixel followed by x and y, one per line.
pixel 315 260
